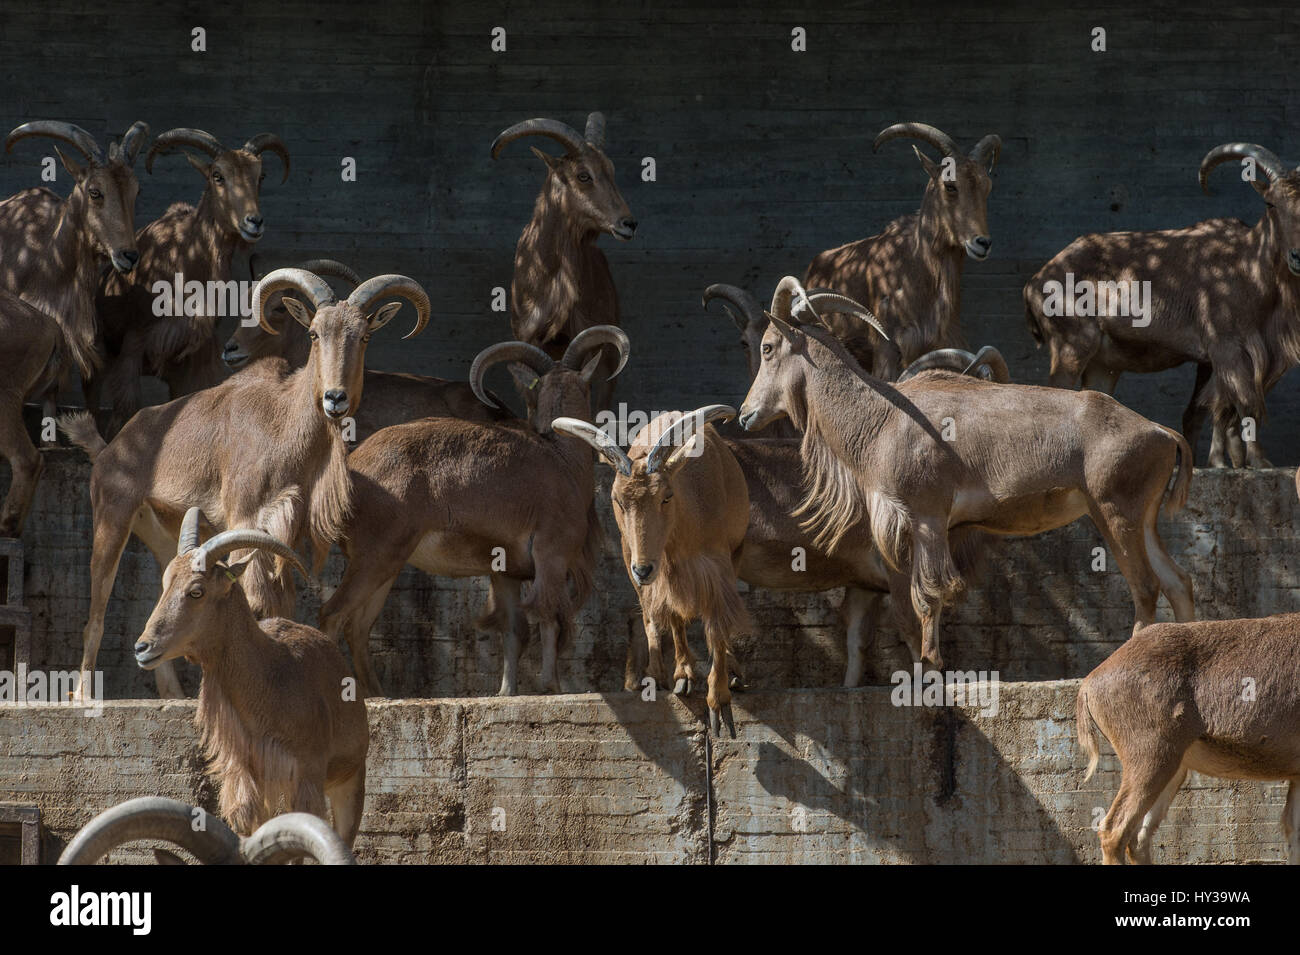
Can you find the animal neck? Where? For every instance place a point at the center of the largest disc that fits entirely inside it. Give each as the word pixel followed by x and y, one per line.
pixel 211 244
pixel 234 658
pixel 1270 246
pixel 833 384
pixel 552 245
pixel 65 281
pixel 315 445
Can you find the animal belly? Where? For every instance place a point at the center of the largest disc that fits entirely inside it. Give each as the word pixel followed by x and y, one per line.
pixel 1264 760
pixel 455 555
pixel 1019 515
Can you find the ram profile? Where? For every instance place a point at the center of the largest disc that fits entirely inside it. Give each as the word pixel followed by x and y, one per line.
pixel 562 284
pixel 943 452
pixel 200 243
pixel 1223 295
pixel 54 247
pixel 280 725
pixel 909 276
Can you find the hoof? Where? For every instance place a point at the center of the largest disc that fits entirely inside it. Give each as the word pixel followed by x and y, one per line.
pixel 737 685
pixel 722 715
pixel 682 687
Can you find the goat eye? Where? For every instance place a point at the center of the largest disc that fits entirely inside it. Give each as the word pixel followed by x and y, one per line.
pixel 217 177
pixel 96 194
pixel 950 187
pixel 313 336
pixel 584 177
pixel 767 349
pixel 196 592
pixel 365 338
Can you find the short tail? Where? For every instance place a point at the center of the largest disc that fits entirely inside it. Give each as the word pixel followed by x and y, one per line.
pixel 1177 498
pixel 1086 726
pixel 81 431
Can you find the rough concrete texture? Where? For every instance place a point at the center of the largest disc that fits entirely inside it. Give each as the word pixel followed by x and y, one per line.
pixel 1037 612
pixel 815 776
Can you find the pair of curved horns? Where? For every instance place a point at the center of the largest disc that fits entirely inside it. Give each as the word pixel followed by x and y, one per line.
pixel 222 544
pixel 988 364
pixel 562 133
pixel 1265 159
pixel 586 341
pixel 205 142
pixel 126 150
pixel 673 440
pixel 285 838
pixel 985 152
pixel 792 306
pixel 318 291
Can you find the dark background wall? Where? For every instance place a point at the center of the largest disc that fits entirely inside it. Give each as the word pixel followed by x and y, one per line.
pixel 763 154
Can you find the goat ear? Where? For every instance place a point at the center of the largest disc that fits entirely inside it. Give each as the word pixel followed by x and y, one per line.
pixel 300 312
pixel 236 570
pixel 589 369
pixel 202 166
pixel 383 315
pixel 691 449
pixel 931 167
pixel 525 378
pixel 70 164
pixel 552 162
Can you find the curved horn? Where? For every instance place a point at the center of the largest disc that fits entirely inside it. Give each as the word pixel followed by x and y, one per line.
pixel 269 142
pixel 746 310
pixel 948 359
pixel 1266 159
pixel 293 836
pixel 132 140
pixel 332 268
pixel 174 139
pixel 595 133
pixel 530 355
pixel 787 290
pixel 74 136
pixel 837 303
pixel 678 434
pixel 987 150
pixel 562 133
pixel 153 817
pixel 242 538
pixel 593 338
pixel 299 280
pixel 927 134
pixel 189 538
pixel 383 286
pixel 990 359
pixel 988 364
pixel 606 446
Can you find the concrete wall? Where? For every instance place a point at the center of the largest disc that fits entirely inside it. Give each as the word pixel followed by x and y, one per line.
pixel 1038 611
pixel 826 776
pixel 763 155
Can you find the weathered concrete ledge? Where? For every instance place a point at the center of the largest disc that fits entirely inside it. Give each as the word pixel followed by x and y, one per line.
pixel 1039 611
pixel 825 776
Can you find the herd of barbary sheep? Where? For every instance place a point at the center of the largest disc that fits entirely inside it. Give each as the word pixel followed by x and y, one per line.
pixel 844 451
